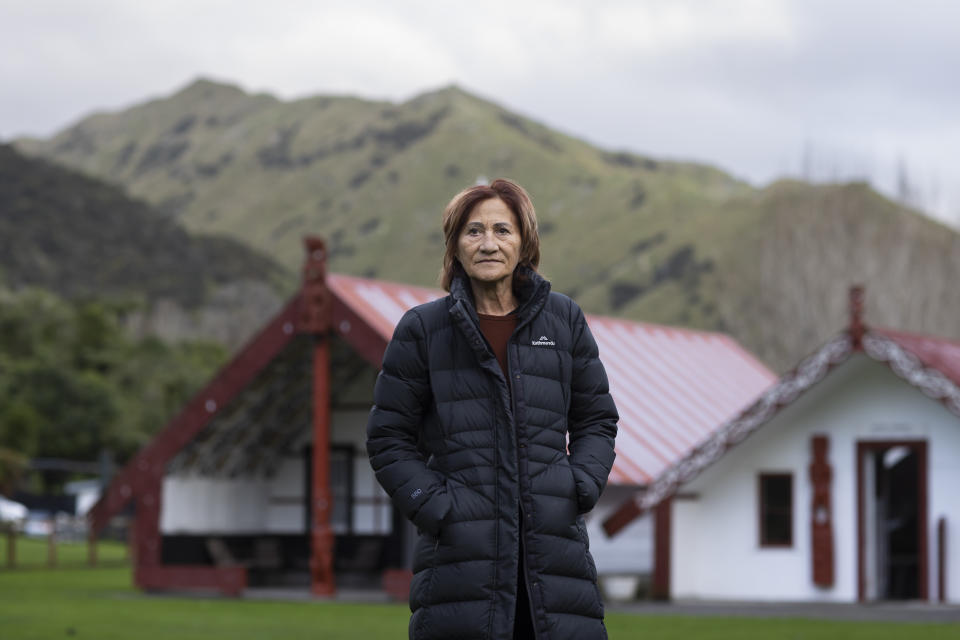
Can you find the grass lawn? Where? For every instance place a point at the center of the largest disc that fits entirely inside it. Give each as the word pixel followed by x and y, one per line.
pixel 100 603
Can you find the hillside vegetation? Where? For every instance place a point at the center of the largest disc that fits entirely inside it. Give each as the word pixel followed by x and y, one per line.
pixel 82 238
pixel 629 235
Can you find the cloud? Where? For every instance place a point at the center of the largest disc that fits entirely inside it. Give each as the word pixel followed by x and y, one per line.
pixel 750 85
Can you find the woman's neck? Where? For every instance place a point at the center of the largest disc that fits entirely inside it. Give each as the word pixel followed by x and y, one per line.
pixel 494 298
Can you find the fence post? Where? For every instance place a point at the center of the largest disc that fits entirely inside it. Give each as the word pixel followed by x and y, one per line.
pixel 11 548
pixel 52 545
pixel 92 549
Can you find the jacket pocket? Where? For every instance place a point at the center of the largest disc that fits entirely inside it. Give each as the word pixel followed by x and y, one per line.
pixel 585 539
pixel 581 501
pixel 422 590
pixel 582 532
pixel 572 486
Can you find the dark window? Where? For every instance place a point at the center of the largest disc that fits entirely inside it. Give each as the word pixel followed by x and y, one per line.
pixel 776 510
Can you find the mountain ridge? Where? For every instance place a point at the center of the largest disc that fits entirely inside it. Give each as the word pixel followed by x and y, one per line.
pixel 625 234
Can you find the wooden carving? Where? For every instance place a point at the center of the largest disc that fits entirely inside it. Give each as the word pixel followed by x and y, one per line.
pixel 821 518
pixel 316 304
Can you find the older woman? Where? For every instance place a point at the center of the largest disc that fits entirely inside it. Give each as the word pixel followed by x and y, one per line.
pixel 493 431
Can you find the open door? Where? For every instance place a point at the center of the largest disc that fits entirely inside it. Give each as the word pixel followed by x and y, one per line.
pixel 892 529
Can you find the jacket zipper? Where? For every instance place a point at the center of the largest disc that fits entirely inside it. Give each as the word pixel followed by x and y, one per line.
pixel 496 446
pixel 526 576
pixel 513 408
pixel 523 516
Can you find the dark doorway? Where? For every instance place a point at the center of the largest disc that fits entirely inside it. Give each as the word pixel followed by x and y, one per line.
pixel 892 510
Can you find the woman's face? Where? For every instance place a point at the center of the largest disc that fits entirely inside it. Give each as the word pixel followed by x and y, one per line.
pixel 489 243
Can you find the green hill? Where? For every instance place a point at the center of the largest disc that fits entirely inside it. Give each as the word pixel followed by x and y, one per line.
pixel 81 237
pixel 671 242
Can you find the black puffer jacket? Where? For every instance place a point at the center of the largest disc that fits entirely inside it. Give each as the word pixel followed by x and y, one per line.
pixel 466 462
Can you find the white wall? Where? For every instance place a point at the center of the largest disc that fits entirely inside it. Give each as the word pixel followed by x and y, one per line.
pixel 715 540
pixel 628 552
pixel 198 505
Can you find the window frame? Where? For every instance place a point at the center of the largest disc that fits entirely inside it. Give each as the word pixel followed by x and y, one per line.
pixel 763 511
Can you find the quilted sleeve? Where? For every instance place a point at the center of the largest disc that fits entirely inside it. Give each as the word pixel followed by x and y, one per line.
pixel 593 418
pixel 401 396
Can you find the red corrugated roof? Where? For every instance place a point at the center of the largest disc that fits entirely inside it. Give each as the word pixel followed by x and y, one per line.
pixel 938 353
pixel 673 387
pixel 381 304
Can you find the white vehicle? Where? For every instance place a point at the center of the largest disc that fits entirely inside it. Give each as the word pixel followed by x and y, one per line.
pixel 12 512
pixel 38 524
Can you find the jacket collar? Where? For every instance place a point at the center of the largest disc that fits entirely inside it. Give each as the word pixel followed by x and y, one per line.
pixel 531 290
pixel 529 286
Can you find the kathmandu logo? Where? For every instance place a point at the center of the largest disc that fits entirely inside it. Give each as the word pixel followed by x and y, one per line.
pixel 544 341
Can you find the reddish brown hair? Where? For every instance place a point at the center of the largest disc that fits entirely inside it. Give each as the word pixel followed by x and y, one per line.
pixel 458 211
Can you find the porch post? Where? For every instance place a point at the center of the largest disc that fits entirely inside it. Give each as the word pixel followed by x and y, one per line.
pixel 92 548
pixel 660 589
pixel 147 553
pixel 315 319
pixel 11 548
pixel 321 538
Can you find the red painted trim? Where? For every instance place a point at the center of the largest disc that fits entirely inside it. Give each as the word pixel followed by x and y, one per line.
pixel 660 589
pixel 147 524
pixel 625 514
pixel 232 378
pixel 230 581
pixel 942 559
pixel 321 534
pixel 920 446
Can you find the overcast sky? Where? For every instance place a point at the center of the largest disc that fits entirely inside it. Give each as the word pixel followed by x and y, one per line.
pixel 762 88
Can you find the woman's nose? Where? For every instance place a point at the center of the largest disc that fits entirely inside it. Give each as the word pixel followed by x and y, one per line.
pixel 488 243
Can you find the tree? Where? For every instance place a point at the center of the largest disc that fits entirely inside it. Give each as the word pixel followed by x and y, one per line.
pixel 73 383
pixel 19 427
